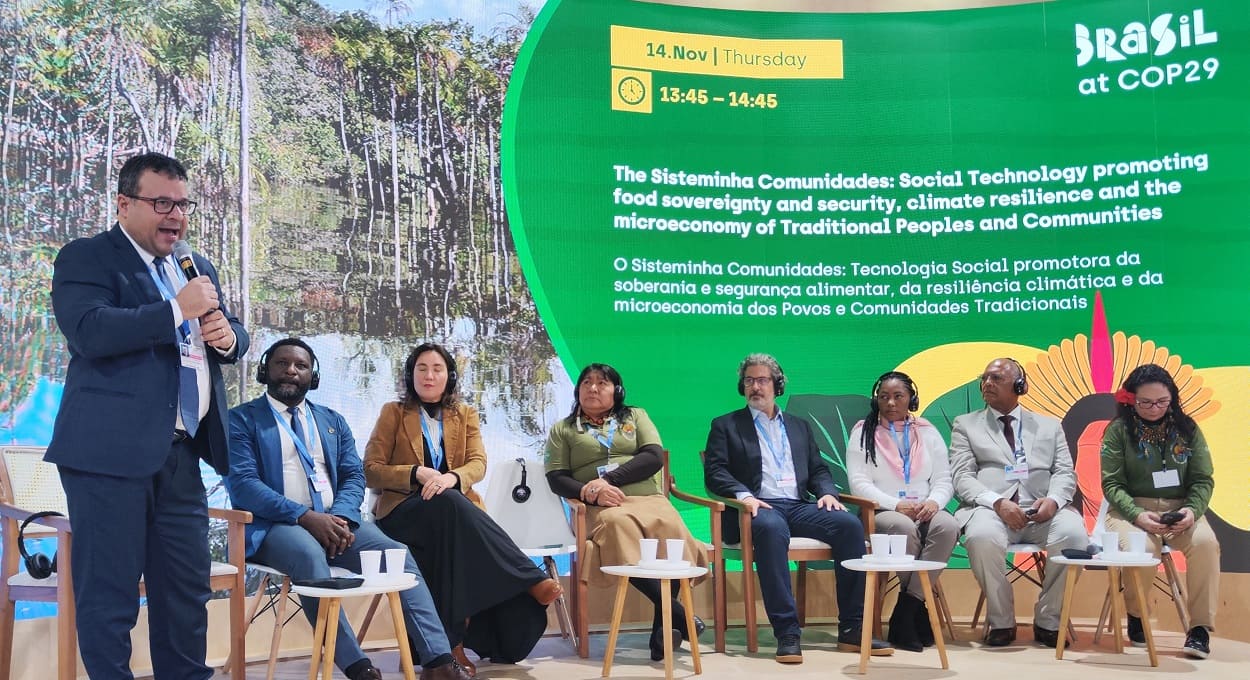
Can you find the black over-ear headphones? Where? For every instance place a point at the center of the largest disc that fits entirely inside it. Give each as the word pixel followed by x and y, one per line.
pixel 1021 384
pixel 38 565
pixel 521 492
pixel 914 403
pixel 779 381
pixel 262 369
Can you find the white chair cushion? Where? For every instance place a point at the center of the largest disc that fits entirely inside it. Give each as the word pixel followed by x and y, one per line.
pixel 335 572
pixel 795 544
pixel 24 579
pixel 1024 548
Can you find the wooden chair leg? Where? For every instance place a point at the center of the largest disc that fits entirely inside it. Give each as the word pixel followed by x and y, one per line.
pixel 879 607
pixel 249 617
pixel 720 606
pixel 800 599
pixel 1104 619
pixel 1178 592
pixel 976 613
pixel 581 589
pixel 363 628
pixel 279 620
pixel 943 609
pixel 8 612
pixel 748 599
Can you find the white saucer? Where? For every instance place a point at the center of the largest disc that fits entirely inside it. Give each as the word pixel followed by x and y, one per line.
pixel 1125 556
pixel 664 565
pixel 390 580
pixel 889 559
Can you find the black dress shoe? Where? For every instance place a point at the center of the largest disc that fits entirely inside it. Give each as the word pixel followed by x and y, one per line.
pixel 362 670
pixel 1045 636
pixel 1000 637
pixel 849 641
pixel 788 649
pixel 450 671
pixel 657 643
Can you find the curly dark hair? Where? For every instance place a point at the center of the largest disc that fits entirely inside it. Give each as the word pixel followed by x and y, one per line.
pixel 1154 373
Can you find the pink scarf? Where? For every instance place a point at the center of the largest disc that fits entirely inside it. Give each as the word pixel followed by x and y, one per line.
pixel 887 448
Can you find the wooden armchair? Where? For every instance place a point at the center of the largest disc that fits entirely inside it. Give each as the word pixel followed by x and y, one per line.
pixel 27 485
pixel 802 551
pixel 579 590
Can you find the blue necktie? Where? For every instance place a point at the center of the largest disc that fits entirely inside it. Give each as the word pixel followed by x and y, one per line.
pixel 298 428
pixel 188 382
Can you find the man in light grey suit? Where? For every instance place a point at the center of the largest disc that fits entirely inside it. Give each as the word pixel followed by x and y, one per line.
pixel 1014 479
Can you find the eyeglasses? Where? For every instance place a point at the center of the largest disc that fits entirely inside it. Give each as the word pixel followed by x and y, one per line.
pixel 164 206
pixel 992 378
pixel 758 382
pixel 1157 403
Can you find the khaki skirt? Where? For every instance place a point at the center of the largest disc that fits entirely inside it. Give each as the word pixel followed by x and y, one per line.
pixel 614 534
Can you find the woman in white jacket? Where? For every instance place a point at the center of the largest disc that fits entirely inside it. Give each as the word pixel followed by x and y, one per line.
pixel 900 461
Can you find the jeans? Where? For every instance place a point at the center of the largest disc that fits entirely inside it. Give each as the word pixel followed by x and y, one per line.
pixel 293 551
pixel 770 534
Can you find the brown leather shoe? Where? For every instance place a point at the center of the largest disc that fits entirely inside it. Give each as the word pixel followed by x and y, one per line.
pixel 546 591
pixel 457 653
pixel 451 671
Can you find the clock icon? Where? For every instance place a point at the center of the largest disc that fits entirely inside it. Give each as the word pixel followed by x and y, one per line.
pixel 631 90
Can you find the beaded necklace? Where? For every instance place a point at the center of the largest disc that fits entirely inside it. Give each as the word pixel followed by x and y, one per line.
pixel 1160 433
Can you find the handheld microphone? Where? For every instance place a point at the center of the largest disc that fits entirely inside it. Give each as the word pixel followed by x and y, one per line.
pixel 182 254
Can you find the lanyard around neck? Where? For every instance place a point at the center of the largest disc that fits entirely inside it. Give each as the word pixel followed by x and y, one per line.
pixel 432 443
pixel 904 447
pixel 301 446
pixel 167 295
pixel 779 458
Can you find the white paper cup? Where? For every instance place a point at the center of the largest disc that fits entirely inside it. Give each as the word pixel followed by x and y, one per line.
pixel 395 558
pixel 1111 544
pixel 1137 542
pixel 1099 539
pixel 880 544
pixel 673 549
pixel 648 547
pixel 898 545
pixel 371 564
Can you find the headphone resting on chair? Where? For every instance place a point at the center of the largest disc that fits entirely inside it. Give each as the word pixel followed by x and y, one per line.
pixel 521 492
pixel 38 565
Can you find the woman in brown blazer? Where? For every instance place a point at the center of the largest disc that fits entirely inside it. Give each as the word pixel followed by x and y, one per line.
pixel 423 458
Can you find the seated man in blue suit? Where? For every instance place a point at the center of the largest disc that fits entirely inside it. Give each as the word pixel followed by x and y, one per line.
pixel 305 498
pixel 768 460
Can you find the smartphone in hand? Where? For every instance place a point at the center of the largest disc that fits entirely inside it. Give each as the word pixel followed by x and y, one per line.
pixel 1170 518
pixel 1030 512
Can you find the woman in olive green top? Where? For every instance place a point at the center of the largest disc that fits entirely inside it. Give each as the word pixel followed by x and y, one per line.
pixel 609 456
pixel 1157 477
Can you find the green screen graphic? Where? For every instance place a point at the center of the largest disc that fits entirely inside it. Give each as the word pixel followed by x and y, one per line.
pixel 1059 182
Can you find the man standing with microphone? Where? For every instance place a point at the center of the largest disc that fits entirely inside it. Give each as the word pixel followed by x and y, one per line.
pixel 144 402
